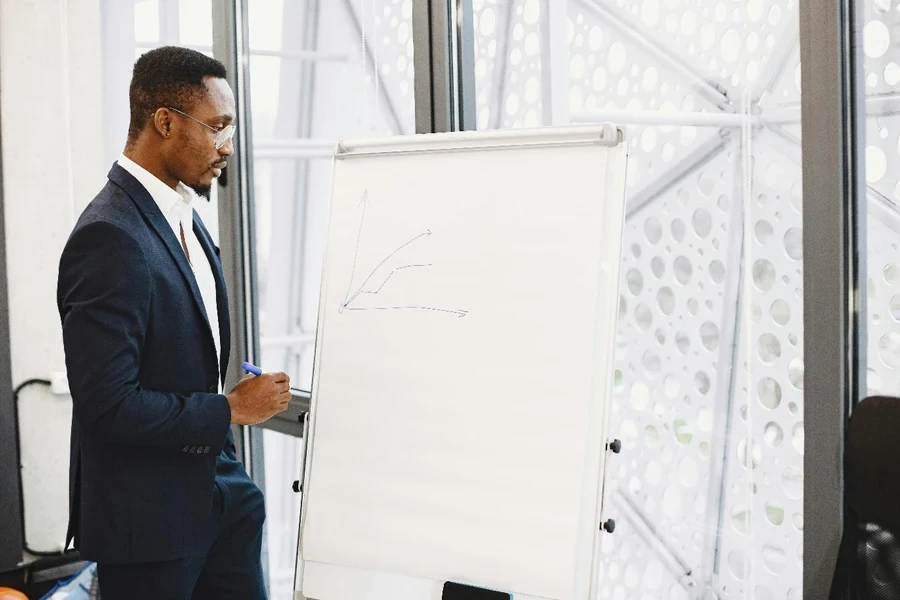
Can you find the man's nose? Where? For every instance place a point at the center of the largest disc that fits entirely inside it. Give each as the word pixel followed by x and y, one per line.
pixel 227 148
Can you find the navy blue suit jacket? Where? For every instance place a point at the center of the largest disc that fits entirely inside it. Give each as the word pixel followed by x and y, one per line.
pixel 148 424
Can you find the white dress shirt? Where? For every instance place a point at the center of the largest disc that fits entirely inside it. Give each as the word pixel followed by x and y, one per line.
pixel 176 207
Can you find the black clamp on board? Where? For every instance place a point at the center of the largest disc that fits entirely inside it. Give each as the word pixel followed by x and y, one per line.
pixel 615 446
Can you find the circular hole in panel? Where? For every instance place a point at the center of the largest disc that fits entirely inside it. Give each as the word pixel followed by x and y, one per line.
pixel 701 381
pixel 876 162
pixel 763 232
pixel 651 435
pixel 781 312
pixel 740 519
pixel 892 74
pixel 705 419
pixel 693 306
pixel 889 349
pixel 653 230
pixel 792 480
pixel 634 281
pixel 702 222
pixel 895 307
pixel 763 275
pixel 682 342
pixel 876 39
pixel 678 230
pixel 717 271
pixel 683 269
pixel 658 266
pixel 749 453
pixel 774 558
pixel 793 243
pixel 644 316
pixel 774 514
pixel 709 335
pixel 769 348
pixel 769 392
pixel 773 435
pixel 652 362
pixel 798 438
pixel 634 485
pixel 640 395
pixel 666 299
pixel 755 313
pixel 891 274
pixel 684 433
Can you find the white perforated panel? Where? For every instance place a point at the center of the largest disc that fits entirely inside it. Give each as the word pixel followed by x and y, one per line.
pixel 708 397
pixel 508 58
pixel 675 315
pixel 761 532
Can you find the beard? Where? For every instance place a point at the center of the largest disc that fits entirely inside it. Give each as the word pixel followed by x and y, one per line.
pixel 203 191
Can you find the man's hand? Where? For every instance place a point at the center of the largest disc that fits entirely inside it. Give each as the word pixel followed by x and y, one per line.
pixel 257 398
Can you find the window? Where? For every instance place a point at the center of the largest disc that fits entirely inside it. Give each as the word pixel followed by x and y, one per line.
pixel 882 77
pixel 319 71
pixel 708 396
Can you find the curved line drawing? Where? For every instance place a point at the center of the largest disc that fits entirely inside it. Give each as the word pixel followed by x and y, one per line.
pixel 351 295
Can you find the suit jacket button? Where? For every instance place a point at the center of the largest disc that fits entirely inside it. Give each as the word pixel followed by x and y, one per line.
pixel 206 450
pixel 213 389
pixel 186 449
pixel 193 449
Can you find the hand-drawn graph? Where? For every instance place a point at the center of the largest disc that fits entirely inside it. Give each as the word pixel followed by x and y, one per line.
pixel 373 286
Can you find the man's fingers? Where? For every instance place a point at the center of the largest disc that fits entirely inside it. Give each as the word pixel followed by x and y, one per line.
pixel 280 377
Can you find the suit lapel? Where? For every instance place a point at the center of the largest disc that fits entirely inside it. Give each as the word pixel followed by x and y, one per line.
pixel 154 217
pixel 209 249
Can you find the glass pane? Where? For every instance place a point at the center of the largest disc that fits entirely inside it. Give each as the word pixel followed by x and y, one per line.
pixel 708 395
pixel 282 466
pixel 195 24
pixel 146 21
pixel 882 163
pixel 319 71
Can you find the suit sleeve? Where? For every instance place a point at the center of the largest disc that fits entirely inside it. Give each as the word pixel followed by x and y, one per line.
pixel 104 295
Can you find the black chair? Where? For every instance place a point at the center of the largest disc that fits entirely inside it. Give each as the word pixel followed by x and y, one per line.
pixel 868 566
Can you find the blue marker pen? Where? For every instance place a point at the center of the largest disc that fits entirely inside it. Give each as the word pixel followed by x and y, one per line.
pixel 257 371
pixel 251 368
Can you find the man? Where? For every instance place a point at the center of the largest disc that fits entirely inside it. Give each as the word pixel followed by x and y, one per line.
pixel 157 496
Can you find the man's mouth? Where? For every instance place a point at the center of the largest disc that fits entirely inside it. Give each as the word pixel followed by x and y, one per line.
pixel 217 168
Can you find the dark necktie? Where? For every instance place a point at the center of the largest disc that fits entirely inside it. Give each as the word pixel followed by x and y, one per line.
pixel 184 243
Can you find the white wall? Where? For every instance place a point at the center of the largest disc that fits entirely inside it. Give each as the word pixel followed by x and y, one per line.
pixel 53 164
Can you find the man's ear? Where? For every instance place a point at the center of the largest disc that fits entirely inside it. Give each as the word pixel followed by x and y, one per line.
pixel 162 122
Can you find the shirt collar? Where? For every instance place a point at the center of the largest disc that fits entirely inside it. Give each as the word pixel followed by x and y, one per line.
pixel 175 205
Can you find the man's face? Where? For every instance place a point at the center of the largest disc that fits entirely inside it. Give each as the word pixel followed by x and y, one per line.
pixel 194 159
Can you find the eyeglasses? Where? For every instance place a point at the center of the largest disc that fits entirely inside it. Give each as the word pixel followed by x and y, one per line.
pixel 224 133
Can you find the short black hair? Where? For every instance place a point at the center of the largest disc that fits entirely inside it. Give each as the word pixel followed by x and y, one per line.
pixel 169 76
